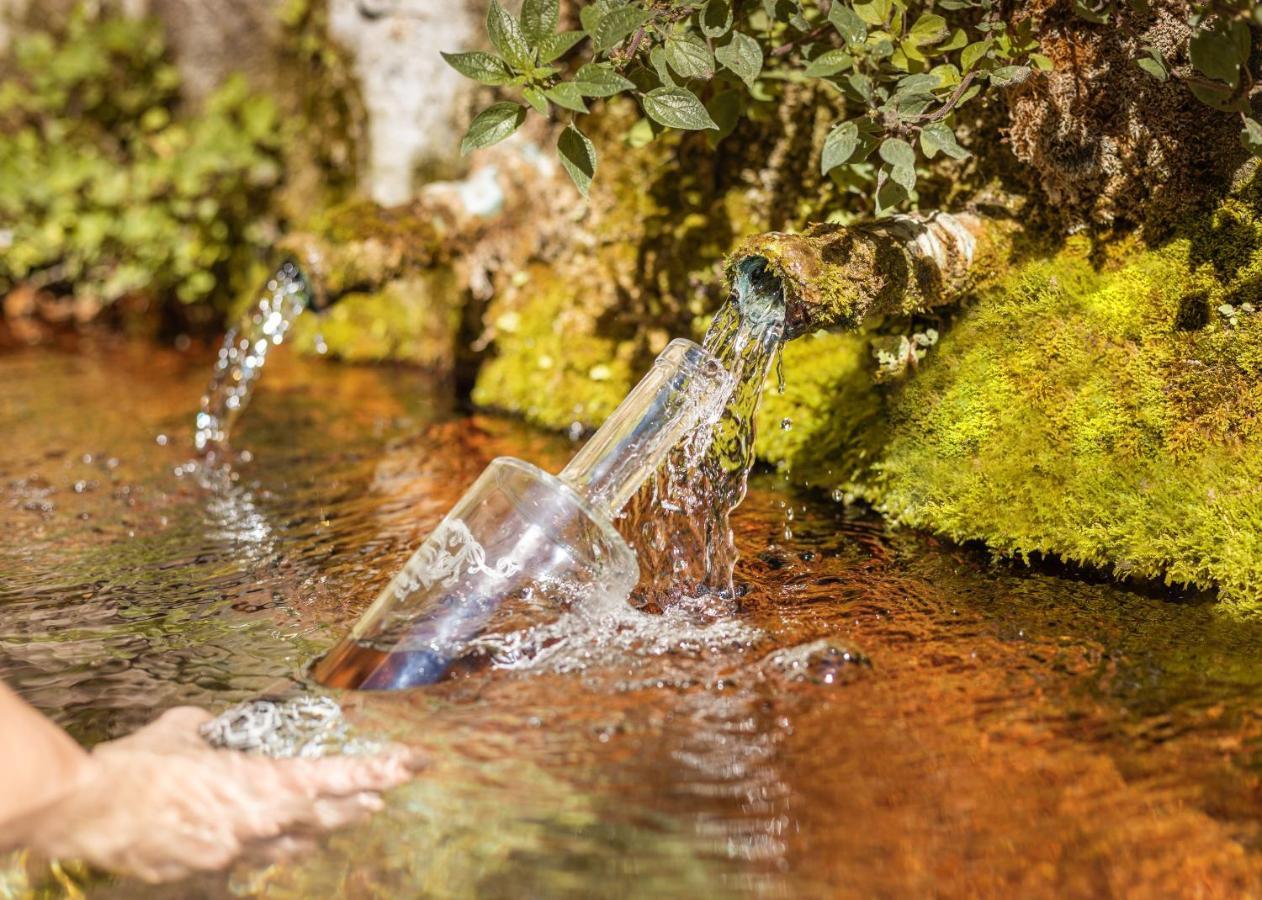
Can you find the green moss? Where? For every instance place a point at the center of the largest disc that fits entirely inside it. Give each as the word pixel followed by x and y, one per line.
pixel 106 192
pixel 830 373
pixel 1111 417
pixel 550 365
pixel 414 320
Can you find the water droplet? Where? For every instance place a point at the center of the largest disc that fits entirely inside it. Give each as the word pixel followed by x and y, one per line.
pixel 786 423
pixel 161 440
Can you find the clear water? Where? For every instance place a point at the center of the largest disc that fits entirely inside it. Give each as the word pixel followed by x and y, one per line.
pixel 679 524
pixel 243 354
pixel 881 715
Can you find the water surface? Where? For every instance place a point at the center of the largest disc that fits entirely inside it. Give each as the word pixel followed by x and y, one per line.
pixel 877 715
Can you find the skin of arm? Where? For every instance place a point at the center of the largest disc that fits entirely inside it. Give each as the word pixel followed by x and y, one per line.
pixel 38 761
pixel 161 803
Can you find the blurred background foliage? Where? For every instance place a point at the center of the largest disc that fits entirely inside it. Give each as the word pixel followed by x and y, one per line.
pixel 108 191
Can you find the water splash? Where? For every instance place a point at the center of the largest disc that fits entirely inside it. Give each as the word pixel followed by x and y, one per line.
pixel 679 524
pixel 243 354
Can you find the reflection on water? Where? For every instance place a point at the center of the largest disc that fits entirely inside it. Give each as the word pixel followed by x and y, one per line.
pixel 881 715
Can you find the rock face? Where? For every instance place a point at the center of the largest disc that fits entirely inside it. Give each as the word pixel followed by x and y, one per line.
pixel 213 39
pixel 411 96
pixel 1108 144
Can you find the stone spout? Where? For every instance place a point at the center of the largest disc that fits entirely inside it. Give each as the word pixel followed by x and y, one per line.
pixel 836 276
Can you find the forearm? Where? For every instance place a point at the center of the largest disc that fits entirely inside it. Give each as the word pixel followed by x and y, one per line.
pixel 38 761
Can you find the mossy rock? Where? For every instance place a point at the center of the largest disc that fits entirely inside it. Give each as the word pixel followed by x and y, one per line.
pixel 414 320
pixel 552 365
pixel 1107 415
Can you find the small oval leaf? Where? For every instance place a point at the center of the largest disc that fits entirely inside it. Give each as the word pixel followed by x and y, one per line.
pixel 677 108
pixel 492 125
pixel 578 158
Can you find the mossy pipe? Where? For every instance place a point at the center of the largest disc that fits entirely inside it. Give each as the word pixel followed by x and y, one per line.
pixel 836 276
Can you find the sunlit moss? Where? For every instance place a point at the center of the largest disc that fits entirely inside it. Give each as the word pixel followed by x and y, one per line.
pixel 413 320
pixel 551 365
pixel 1109 415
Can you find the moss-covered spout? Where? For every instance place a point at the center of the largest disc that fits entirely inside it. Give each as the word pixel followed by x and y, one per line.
pixel 835 276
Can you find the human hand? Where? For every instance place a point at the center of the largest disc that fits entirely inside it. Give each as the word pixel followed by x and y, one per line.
pixel 161 803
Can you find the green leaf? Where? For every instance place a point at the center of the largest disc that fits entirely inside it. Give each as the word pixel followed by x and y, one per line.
pixel 677 108
pixel 725 108
pixel 847 23
pixel 507 38
pixel 829 63
pixel 481 67
pixel 640 134
pixel 892 192
pixel 839 147
pixel 743 56
pixel 539 19
pixel 657 59
pixel 1005 76
pixel 1218 96
pixel 690 56
pixel 959 39
pixel 861 86
pixel 1041 62
pixel 875 12
pixel 1153 67
pixel 1213 53
pixel 974 52
pixel 535 98
pixel 600 80
pixel 716 18
pixel 1251 136
pixel 492 125
pixel 930 28
pixel 591 15
pixel 922 83
pixel 1096 11
pixel 947 74
pixel 578 158
pixel 898 153
pixel 938 137
pixel 567 95
pixel 554 46
pixel 616 25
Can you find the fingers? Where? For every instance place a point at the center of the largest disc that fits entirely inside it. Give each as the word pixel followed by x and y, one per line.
pixel 175 731
pixel 338 776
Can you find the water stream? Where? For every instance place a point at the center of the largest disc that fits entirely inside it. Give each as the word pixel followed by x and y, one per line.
pixel 244 352
pixel 680 522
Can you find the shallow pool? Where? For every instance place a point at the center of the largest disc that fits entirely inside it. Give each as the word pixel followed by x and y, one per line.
pixel 881 715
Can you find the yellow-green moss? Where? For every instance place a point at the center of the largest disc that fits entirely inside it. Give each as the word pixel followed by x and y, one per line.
pixel 1109 417
pixel 414 320
pixel 550 365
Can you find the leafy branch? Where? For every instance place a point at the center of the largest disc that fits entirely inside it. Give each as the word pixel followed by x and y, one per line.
pixel 898 68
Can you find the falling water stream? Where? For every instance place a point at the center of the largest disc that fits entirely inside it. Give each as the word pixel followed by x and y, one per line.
pixel 244 352
pixel 680 523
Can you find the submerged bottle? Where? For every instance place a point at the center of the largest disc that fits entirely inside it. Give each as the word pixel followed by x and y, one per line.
pixel 520 532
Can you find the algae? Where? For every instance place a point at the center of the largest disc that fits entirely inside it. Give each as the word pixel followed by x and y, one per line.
pixel 413 320
pixel 552 367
